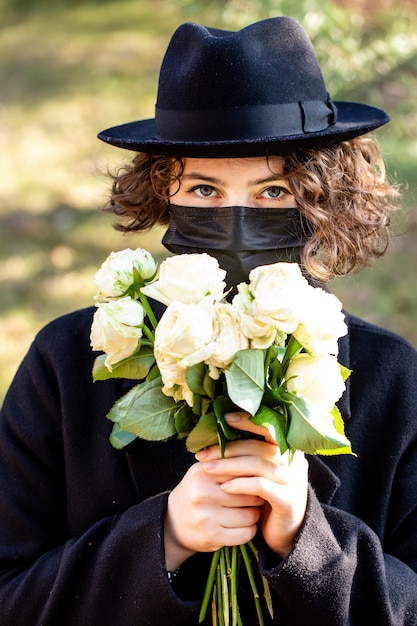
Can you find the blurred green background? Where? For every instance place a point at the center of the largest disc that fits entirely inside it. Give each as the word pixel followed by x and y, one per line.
pixel 70 68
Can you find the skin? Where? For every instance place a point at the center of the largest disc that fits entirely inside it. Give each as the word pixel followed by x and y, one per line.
pixel 223 501
pixel 252 182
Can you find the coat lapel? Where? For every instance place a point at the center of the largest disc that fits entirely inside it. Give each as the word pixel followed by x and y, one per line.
pixel 323 480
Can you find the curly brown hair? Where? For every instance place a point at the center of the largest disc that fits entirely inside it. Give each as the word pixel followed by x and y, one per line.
pixel 341 190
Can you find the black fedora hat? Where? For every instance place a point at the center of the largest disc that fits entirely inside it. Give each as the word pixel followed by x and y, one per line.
pixel 253 92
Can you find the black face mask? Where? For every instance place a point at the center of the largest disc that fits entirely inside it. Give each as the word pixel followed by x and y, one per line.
pixel 240 238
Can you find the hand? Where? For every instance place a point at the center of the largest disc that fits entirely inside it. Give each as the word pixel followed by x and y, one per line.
pixel 202 517
pixel 257 468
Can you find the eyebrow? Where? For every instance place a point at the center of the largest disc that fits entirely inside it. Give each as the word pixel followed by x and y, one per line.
pixel 269 179
pixel 218 181
pixel 207 179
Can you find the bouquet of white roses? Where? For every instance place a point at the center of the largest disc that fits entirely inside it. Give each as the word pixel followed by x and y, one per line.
pixel 271 351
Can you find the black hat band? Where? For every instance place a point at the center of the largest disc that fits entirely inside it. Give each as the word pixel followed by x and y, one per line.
pixel 270 120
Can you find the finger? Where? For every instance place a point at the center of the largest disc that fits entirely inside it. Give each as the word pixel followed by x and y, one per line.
pixel 240 501
pixel 265 482
pixel 232 537
pixel 229 517
pixel 284 496
pixel 250 466
pixel 242 421
pixel 239 447
pixel 250 486
pixel 272 467
pixel 213 452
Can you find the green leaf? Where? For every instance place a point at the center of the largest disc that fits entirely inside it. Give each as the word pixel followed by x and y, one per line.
pixel 273 366
pixel 293 347
pixel 223 405
pixel 313 432
pixel 100 371
pixel 272 353
pixel 272 397
pixel 135 367
pixel 345 372
pixel 275 422
pixel 153 373
pixel 274 374
pixel 194 377
pixel 120 438
pixel 209 386
pixel 196 408
pixel 200 383
pixel 146 412
pixel 204 434
pixel 245 379
pixel 340 427
pixel 184 420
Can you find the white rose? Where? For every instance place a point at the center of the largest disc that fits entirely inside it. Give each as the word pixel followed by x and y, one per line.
pixel 187 278
pixel 173 377
pixel 316 379
pixel 184 334
pixel 228 337
pixel 183 338
pixel 117 329
pixel 261 333
pixel 123 269
pixel 278 292
pixel 322 323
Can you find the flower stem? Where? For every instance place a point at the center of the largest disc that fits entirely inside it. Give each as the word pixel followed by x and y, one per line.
pixel 148 310
pixel 211 580
pixel 265 584
pixel 220 601
pixel 214 620
pixel 224 585
pixel 233 586
pixel 149 334
pixel 252 581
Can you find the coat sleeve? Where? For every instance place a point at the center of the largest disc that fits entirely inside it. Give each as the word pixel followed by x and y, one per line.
pixel 338 574
pixel 110 570
pixel 355 561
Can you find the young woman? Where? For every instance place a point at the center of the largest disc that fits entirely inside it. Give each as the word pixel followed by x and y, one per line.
pixel 250 160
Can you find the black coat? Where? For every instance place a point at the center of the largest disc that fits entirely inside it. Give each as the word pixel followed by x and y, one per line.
pixel 81 538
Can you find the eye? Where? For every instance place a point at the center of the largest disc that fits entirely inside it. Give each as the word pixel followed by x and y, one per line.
pixel 275 192
pixel 205 191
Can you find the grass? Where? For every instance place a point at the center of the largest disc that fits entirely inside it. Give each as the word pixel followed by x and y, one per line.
pixel 70 72
pixel 70 69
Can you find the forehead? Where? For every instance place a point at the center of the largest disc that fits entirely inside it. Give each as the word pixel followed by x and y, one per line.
pixel 253 167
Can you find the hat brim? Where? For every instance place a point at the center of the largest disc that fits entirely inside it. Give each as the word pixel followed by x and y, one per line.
pixel 354 119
